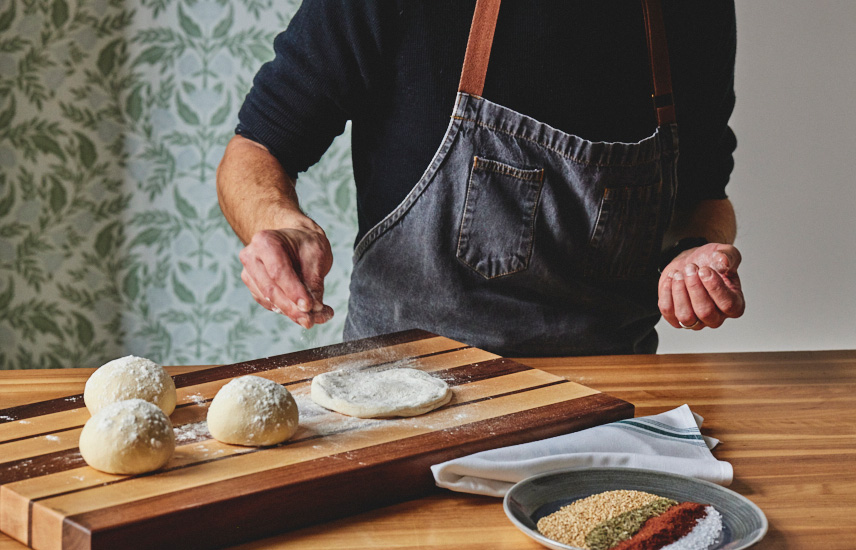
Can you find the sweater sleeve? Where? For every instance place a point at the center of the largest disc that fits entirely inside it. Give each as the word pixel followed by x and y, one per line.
pixel 321 74
pixel 704 97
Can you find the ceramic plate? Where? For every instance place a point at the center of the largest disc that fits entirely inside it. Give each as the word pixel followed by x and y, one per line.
pixel 744 523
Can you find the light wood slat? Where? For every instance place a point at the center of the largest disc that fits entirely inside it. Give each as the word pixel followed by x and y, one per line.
pixel 41 424
pixel 39 445
pixel 14 524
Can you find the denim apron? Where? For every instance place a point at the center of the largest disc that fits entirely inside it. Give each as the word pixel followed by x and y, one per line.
pixel 522 239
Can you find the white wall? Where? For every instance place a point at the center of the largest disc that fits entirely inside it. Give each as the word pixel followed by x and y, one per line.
pixel 793 185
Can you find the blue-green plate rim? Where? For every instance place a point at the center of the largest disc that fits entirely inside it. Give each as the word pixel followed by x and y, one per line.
pixel 550 543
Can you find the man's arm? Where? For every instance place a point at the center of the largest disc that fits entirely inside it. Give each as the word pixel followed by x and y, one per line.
pixel 287 255
pixel 712 219
pixel 700 287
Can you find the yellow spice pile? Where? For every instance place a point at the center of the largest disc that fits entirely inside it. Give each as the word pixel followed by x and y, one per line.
pixel 573 522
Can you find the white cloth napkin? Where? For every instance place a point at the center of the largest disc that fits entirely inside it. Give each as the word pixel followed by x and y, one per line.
pixel 668 442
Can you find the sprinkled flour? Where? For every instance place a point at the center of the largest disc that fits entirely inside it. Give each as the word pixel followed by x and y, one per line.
pixel 129 377
pixel 188 433
pixel 317 420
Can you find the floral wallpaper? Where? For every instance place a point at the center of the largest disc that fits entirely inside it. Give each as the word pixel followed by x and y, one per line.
pixel 113 117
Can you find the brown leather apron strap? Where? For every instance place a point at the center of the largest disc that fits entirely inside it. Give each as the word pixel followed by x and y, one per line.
pixel 478 47
pixel 655 32
pixel 481 39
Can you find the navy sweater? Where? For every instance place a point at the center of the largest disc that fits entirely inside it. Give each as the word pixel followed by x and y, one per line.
pixel 392 67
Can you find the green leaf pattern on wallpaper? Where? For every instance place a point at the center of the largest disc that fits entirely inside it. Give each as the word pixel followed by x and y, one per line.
pixel 113 117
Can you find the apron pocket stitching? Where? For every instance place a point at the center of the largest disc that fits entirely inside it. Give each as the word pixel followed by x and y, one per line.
pixel 548 147
pixel 476 248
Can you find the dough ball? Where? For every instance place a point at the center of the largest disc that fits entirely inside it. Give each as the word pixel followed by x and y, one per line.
pixel 380 393
pixel 129 378
pixel 254 411
pixel 128 437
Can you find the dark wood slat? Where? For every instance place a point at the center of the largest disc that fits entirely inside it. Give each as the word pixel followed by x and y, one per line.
pixel 285 498
pixel 41 465
pixel 297 357
pixel 61 404
pixel 483 370
pixel 364 367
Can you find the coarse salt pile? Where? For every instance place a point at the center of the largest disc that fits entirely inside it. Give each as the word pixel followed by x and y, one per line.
pixel 633 520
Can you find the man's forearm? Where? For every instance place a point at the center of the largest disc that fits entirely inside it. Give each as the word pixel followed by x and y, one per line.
pixel 712 219
pixel 254 191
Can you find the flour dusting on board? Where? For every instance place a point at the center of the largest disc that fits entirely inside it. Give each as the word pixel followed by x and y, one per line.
pixel 198 399
pixel 316 420
pixel 195 431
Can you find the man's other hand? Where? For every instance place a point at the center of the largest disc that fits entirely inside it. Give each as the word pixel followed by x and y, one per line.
pixel 700 287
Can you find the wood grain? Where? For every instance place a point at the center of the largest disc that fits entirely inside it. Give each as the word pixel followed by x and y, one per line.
pixel 787 421
pixel 211 494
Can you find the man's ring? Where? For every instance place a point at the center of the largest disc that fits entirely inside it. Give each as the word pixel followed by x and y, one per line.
pixel 692 326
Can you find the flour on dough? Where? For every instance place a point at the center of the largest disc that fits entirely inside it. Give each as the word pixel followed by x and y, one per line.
pixel 380 393
pixel 252 411
pixel 127 437
pixel 130 378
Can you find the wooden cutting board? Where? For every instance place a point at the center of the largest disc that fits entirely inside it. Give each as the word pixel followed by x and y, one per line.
pixel 213 494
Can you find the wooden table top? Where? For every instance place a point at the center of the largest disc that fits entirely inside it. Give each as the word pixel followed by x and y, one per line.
pixel 787 421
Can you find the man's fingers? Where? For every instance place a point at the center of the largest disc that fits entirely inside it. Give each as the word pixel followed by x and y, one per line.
pixel 316 259
pixel 665 303
pixel 323 315
pixel 683 305
pixel 725 293
pixel 681 298
pixel 285 270
pixel 282 275
pixel 267 293
pixel 725 259
pixel 703 304
pixel 272 298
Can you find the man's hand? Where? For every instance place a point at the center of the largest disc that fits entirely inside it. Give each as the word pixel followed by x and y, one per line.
pixel 287 254
pixel 285 269
pixel 700 287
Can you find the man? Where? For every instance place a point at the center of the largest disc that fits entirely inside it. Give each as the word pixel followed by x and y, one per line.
pixel 533 222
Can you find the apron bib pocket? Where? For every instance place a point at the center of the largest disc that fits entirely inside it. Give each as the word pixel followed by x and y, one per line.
pixel 498 222
pixel 625 234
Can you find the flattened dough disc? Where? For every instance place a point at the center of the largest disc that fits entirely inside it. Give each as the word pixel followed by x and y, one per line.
pixel 380 393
